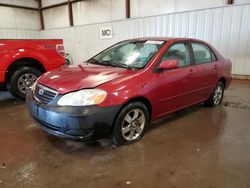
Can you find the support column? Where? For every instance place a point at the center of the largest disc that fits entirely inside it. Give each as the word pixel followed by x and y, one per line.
pixel 41 14
pixel 71 21
pixel 127 8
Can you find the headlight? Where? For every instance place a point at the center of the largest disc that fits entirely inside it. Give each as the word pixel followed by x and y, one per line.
pixel 83 97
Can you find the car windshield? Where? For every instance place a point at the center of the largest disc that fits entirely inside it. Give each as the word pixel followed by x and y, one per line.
pixel 128 54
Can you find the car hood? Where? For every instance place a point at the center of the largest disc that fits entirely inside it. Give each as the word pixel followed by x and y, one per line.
pixel 76 77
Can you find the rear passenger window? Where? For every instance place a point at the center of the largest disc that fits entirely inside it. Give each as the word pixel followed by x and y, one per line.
pixel 179 52
pixel 202 53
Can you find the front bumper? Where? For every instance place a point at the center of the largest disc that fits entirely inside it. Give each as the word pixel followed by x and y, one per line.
pixel 77 123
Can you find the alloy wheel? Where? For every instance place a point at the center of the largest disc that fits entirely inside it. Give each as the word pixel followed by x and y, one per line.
pixel 133 124
pixel 25 81
pixel 218 93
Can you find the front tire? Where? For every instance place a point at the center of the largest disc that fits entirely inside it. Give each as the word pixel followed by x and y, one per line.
pixel 21 79
pixel 130 124
pixel 217 96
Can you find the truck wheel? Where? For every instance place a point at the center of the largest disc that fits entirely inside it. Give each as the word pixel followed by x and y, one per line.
pixel 21 79
pixel 130 124
pixel 216 97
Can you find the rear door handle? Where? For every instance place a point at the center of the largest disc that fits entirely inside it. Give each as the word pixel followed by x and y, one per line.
pixel 191 71
pixel 215 66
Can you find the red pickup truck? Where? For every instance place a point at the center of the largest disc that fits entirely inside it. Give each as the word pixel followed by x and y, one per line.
pixel 23 61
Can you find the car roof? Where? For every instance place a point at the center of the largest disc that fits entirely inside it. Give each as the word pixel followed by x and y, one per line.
pixel 164 39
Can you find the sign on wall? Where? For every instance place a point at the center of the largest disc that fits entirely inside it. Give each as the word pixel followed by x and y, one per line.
pixel 106 33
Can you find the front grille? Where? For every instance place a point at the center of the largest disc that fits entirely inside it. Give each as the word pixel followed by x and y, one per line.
pixel 43 94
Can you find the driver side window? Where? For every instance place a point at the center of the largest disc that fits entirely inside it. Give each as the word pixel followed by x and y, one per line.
pixel 178 52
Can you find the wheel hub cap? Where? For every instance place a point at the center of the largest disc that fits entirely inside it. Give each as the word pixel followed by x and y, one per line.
pixel 133 124
pixel 218 95
pixel 25 81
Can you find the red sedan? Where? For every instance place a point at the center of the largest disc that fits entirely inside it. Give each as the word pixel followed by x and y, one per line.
pixel 123 88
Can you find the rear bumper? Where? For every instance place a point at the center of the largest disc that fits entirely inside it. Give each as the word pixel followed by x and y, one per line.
pixel 77 123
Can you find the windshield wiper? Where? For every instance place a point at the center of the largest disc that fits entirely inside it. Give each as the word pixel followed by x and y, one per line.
pixel 111 63
pixel 117 64
pixel 95 61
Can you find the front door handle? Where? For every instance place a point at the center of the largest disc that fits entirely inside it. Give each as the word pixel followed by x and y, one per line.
pixel 215 66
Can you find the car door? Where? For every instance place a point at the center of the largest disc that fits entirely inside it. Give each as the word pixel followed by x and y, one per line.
pixel 174 85
pixel 206 71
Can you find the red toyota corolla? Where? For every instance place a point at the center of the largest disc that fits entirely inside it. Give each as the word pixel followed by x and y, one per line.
pixel 123 88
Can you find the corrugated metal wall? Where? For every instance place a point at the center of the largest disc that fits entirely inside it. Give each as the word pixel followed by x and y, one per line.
pixel 19 34
pixel 96 11
pixel 227 28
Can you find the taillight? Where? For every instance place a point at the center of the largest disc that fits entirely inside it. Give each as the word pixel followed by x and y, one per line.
pixel 60 49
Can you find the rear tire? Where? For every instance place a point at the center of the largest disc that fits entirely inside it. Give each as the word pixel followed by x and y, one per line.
pixel 217 96
pixel 21 79
pixel 130 124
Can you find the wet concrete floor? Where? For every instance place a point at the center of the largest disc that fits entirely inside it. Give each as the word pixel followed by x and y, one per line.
pixel 197 147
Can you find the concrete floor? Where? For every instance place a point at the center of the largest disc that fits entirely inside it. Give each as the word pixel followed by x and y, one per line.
pixel 197 147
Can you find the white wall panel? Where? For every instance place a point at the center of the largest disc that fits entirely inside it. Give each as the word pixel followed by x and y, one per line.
pixel 181 5
pixel 96 11
pixel 27 3
pixel 241 1
pixel 56 17
pixel 84 12
pixel 227 28
pixel 51 2
pixel 140 8
pixel 19 18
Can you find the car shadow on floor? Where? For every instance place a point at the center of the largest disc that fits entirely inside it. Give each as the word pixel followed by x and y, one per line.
pixel 69 146
pixel 105 143
pixel 6 100
pixel 174 116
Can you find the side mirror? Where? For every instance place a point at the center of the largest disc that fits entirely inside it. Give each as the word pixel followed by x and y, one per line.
pixel 169 64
